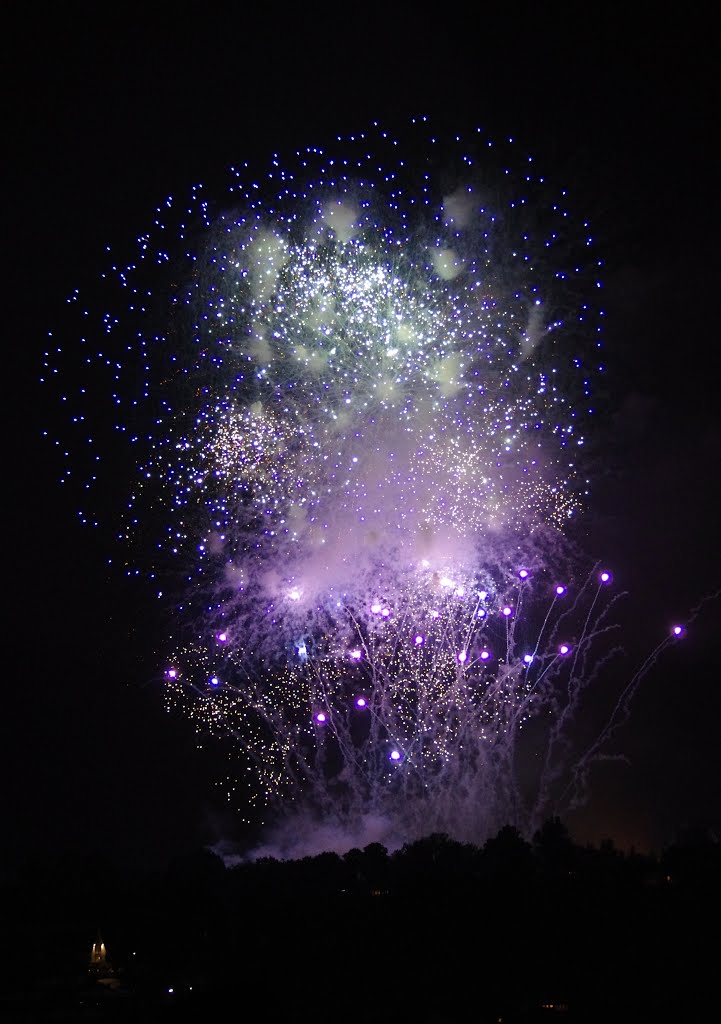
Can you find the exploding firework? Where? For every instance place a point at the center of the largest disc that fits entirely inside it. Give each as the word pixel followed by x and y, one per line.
pixel 357 389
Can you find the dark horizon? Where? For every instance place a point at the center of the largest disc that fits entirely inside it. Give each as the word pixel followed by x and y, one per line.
pixel 513 930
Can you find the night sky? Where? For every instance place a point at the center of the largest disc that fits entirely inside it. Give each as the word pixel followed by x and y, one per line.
pixel 109 114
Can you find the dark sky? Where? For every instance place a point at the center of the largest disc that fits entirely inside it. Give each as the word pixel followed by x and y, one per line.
pixel 110 110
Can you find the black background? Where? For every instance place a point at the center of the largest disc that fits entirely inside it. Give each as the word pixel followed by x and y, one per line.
pixel 108 111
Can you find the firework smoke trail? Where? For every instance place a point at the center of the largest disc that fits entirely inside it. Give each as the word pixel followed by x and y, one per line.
pixel 356 390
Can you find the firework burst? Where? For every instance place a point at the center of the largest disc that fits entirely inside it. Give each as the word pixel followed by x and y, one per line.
pixel 354 393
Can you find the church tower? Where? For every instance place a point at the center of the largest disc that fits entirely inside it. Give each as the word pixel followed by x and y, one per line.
pixel 98 954
pixel 100 968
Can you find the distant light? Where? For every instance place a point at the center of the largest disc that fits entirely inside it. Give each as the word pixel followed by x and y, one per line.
pixel 462 656
pixel 507 610
pixel 481 613
pixel 435 614
pixel 360 702
pixel 214 681
pixel 605 577
pixel 375 608
pixel 483 594
pixel 523 574
pixel 294 594
pixel 677 630
pixel 564 649
pixel 320 717
pixel 355 654
pixel 172 673
pixel 560 590
pixel 485 655
pixel 418 639
pixel 528 658
pixel 395 755
pixel 222 637
pixel 385 612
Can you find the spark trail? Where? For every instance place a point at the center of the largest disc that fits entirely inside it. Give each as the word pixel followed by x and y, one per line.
pixel 354 395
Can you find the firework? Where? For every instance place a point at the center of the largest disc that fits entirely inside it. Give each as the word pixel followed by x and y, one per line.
pixel 357 387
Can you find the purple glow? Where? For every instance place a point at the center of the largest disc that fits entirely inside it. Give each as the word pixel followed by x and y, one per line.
pixel 605 577
pixel 677 630
pixel 352 387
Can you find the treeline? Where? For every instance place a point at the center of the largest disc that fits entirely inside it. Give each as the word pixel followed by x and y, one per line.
pixel 439 928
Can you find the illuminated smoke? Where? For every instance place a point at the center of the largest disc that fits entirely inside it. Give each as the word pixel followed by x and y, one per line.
pixel 352 395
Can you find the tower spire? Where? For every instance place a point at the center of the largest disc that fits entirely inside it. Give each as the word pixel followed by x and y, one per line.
pixel 98 953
